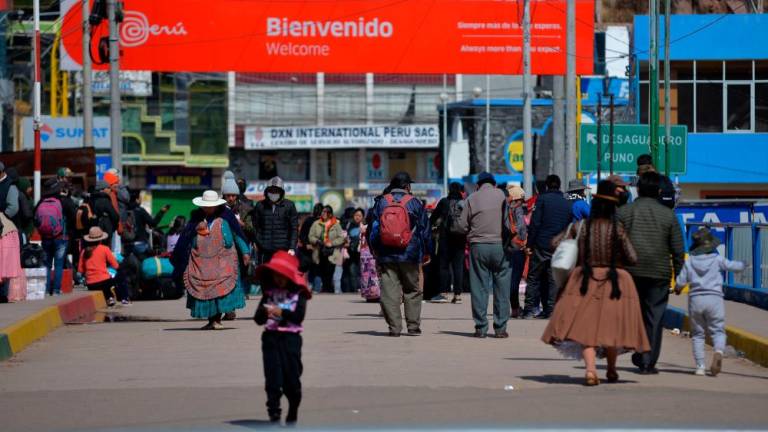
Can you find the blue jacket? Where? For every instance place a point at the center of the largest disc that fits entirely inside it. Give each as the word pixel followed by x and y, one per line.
pixel 420 242
pixel 552 215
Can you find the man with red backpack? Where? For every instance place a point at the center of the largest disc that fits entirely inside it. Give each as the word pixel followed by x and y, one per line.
pixel 400 239
pixel 51 215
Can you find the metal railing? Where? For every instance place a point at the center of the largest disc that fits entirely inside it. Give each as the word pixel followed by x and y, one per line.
pixel 747 242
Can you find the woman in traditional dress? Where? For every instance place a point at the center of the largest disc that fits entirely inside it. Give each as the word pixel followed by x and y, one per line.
pixel 598 312
pixel 211 277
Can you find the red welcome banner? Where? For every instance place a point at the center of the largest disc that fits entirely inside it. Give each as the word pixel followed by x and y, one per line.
pixel 344 36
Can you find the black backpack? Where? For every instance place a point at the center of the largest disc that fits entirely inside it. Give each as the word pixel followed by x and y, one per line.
pixel 129 226
pixel 455 208
pixel 32 256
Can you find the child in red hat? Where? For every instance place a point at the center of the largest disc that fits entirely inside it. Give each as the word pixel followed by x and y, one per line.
pixel 281 312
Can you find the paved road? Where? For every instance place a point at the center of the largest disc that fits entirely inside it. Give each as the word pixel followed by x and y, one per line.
pixel 163 373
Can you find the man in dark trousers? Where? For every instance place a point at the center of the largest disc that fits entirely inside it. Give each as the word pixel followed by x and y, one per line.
pixel 655 233
pixel 275 222
pixel 551 216
pixel 451 244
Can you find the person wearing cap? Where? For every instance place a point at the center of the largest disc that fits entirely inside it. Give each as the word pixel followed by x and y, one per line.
pixel 281 311
pixel 95 261
pixel 622 191
pixel 514 246
pixel 105 214
pixel 550 217
pixel 120 197
pixel 482 218
pixel 211 277
pixel 656 235
pixel 400 267
pixel 56 245
pixel 703 273
pixel 275 222
pixel 578 198
pixel 667 190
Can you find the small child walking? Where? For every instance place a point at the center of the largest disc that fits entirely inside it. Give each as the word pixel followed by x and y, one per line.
pixel 281 311
pixel 94 261
pixel 706 307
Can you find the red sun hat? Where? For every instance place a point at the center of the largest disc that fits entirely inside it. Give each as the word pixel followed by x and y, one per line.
pixel 286 265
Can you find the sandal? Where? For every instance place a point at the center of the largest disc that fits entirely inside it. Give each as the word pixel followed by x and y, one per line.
pixel 591 379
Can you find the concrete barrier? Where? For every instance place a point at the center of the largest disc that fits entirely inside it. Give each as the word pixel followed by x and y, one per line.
pixel 19 335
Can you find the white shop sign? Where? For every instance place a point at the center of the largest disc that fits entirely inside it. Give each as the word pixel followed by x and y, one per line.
pixel 342 137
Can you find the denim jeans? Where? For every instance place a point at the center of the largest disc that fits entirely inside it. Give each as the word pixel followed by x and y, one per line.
pixel 55 251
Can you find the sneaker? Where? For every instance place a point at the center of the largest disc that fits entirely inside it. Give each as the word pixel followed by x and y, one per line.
pixel 438 299
pixel 218 326
pixel 456 299
pixel 501 334
pixel 125 302
pixel 111 302
pixel 480 334
pixel 700 370
pixel 717 363
pixel 415 332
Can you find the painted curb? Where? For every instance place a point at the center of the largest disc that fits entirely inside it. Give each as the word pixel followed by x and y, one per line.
pixel 754 347
pixel 19 335
pixel 5 348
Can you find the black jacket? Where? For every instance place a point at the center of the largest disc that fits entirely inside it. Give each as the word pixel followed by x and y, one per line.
pixel 143 221
pixel 276 225
pixel 550 217
pixel 106 215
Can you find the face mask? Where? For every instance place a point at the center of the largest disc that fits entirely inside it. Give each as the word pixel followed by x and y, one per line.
pixel 274 197
pixel 623 198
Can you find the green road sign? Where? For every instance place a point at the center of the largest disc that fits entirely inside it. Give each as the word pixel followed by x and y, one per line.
pixel 629 142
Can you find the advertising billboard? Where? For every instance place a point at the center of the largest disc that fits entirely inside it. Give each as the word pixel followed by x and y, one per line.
pixel 344 36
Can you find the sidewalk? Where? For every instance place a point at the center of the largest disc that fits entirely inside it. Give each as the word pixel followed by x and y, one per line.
pixel 25 322
pixel 746 326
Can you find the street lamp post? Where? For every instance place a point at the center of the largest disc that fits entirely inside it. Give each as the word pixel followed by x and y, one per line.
pixel 488 123
pixel 444 100
pixel 476 92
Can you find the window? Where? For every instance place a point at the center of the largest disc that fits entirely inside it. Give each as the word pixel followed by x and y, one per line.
pixel 709 107
pixel 682 105
pixel 761 107
pixel 709 71
pixel 761 70
pixel 738 70
pixel 739 113
pixel 728 96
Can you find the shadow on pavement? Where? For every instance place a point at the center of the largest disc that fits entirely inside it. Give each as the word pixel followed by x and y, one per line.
pixel 455 333
pixel 536 359
pixel 198 329
pixel 554 379
pixel 254 424
pixel 369 333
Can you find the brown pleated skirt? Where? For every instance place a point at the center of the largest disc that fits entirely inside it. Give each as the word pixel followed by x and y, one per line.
pixel 596 320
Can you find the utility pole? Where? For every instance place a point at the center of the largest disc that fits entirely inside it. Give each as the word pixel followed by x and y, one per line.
pixel 558 125
pixel 37 120
pixel 488 123
pixel 87 91
pixel 527 144
pixel 599 135
pixel 116 135
pixel 653 88
pixel 610 143
pixel 667 114
pixel 570 93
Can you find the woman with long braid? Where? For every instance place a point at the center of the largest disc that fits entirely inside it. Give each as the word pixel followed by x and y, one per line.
pixel 598 313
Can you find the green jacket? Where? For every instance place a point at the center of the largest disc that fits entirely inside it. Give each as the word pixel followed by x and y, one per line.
pixel 656 235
